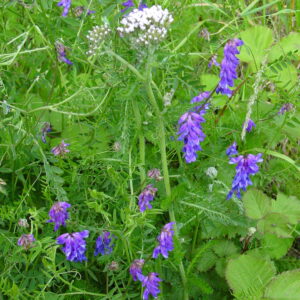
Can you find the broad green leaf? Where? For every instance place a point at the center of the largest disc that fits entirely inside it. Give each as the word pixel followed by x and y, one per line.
pixel 256 204
pixel 288 206
pixel 225 248
pixel 285 286
pixel 248 275
pixel 275 223
pixel 290 43
pixel 257 39
pixel 276 247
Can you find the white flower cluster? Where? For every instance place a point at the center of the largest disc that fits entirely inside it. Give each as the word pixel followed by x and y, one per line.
pixel 146 26
pixel 96 36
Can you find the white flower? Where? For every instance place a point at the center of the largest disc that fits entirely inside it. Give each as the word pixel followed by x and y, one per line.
pixel 211 172
pixel 96 36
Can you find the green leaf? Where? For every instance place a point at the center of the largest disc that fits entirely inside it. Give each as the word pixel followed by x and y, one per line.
pixel 248 274
pixel 275 223
pixel 201 284
pixel 225 248
pixel 288 206
pixel 257 39
pixel 256 204
pixel 285 286
pixel 207 261
pixel 276 247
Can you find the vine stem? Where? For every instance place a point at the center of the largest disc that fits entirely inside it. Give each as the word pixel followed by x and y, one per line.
pixel 164 160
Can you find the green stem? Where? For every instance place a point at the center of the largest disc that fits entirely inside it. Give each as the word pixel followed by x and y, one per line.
pixel 164 160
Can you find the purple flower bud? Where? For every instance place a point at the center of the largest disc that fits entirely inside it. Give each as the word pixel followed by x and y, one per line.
pixel 213 61
pixel 165 240
pixel 60 149
pixel 142 6
pixel 155 174
pixel 75 245
pixel 127 5
pixel 66 4
pixel 285 108
pixel 61 53
pixel 228 67
pixel 45 129
pixel 23 223
pixel 151 284
pixel 232 150
pixel 136 269
pixel 204 33
pixel 250 125
pixel 26 241
pixel 146 196
pixel 104 244
pixel 58 214
pixel 79 10
pixel 246 166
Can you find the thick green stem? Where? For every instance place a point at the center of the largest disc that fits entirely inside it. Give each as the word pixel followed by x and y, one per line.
pixel 164 161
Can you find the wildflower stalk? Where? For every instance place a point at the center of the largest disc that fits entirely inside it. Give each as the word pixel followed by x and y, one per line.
pixel 164 161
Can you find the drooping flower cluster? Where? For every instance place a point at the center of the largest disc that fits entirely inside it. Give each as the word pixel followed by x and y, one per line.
pixel 246 166
pixel 228 67
pixel 60 149
pixel 130 3
pixel 151 284
pixel 74 245
pixel 213 61
pixel 61 53
pixel 285 108
pixel 155 174
pixel 232 150
pixel 146 196
pixel 45 129
pixel 146 26
pixel 165 240
pixel 104 244
pixel 58 214
pixel 250 125
pixel 66 4
pixel 136 269
pixel 79 10
pixel 190 130
pixel 96 36
pixel 26 241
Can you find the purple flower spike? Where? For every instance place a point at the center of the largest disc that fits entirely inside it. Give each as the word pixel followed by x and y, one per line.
pixel 232 150
pixel 136 269
pixel 285 108
pixel 60 149
pixel 66 4
pixel 127 5
pixel 165 240
pixel 228 67
pixel 61 53
pixel 151 284
pixel 45 129
pixel 26 241
pixel 246 166
pixel 104 244
pixel 250 125
pixel 146 196
pixel 202 96
pixel 58 214
pixel 142 6
pixel 75 245
pixel 213 61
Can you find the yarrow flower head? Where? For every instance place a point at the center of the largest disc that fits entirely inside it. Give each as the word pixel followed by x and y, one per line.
pixel 96 36
pixel 104 244
pixel 66 4
pixel 146 196
pixel 61 53
pixel 165 240
pixel 75 245
pixel 45 129
pixel 246 166
pixel 151 284
pixel 146 26
pixel 228 67
pixel 136 269
pixel 190 130
pixel 26 241
pixel 58 214
pixel 155 174
pixel 285 108
pixel 250 125
pixel 60 149
pixel 232 150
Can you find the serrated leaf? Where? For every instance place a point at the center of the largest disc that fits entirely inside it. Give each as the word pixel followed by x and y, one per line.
pixel 276 247
pixel 225 248
pixel 256 204
pixel 206 261
pixel 248 274
pixel 285 286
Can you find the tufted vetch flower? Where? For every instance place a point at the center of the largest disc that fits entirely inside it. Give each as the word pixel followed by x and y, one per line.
pixel 66 4
pixel 58 214
pixel 74 245
pixel 146 196
pixel 246 166
pixel 61 53
pixel 165 240
pixel 136 269
pixel 26 241
pixel 232 150
pixel 151 284
pixel 250 125
pixel 60 149
pixel 104 244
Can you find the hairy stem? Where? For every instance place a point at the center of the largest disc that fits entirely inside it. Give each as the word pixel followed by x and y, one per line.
pixel 164 160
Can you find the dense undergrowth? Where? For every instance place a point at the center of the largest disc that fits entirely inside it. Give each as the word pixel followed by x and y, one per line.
pixel 114 114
